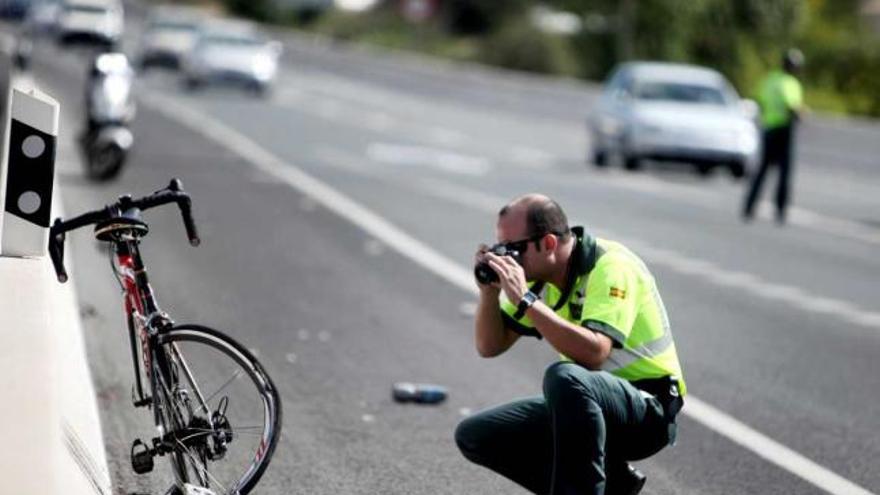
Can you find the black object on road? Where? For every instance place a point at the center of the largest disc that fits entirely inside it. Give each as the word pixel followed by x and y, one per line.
pixel 421 393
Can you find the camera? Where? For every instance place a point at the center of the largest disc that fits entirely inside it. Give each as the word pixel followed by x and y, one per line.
pixel 484 273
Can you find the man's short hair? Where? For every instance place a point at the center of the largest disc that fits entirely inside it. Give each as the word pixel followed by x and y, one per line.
pixel 543 216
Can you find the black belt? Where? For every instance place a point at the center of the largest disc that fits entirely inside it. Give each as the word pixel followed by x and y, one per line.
pixel 666 389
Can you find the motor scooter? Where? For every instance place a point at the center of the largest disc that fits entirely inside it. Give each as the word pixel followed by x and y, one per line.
pixel 110 108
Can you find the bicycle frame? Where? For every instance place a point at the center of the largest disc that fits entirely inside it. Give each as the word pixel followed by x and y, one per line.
pixel 143 314
pixel 191 431
pixel 146 322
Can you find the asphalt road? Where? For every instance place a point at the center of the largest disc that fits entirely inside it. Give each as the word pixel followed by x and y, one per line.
pixel 776 327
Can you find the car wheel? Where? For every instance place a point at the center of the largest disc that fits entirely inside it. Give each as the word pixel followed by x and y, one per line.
pixel 259 90
pixel 632 163
pixel 600 158
pixel 192 84
pixel 737 170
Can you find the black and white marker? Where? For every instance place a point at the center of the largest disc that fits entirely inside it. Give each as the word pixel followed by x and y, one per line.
pixel 29 173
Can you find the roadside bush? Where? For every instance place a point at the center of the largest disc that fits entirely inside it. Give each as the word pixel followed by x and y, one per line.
pixel 520 46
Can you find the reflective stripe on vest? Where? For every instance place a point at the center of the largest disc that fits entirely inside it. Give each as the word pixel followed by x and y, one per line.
pixel 623 357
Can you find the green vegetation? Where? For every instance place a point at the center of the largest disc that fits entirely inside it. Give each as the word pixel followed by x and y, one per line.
pixel 741 38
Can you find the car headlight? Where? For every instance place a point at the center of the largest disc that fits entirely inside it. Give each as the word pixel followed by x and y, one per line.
pixel 264 67
pixel 748 140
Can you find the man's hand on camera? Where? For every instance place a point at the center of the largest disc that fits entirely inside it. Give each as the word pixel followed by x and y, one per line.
pixel 511 275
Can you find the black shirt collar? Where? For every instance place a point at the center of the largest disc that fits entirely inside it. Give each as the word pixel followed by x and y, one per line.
pixel 582 260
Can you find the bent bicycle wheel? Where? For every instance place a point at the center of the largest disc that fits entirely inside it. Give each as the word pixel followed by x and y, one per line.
pixel 224 409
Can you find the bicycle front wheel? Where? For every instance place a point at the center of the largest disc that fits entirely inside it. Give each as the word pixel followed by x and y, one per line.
pixel 227 410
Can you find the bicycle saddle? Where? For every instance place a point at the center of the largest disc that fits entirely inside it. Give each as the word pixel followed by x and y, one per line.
pixel 113 229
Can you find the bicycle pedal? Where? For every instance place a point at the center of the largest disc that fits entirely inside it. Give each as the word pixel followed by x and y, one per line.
pixel 141 457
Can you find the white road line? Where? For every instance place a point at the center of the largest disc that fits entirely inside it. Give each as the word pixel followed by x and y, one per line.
pixel 264 160
pixel 771 451
pixel 441 159
pixel 831 225
pixel 342 160
pixel 531 157
pixel 447 269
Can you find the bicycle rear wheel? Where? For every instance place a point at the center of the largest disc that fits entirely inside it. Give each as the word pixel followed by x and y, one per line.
pixel 221 409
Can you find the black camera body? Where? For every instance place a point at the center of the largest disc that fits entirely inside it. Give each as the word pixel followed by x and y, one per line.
pixel 484 273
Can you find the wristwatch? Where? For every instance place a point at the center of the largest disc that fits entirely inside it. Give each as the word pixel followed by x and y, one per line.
pixel 528 299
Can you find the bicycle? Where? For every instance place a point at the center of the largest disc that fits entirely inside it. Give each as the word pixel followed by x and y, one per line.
pixel 200 422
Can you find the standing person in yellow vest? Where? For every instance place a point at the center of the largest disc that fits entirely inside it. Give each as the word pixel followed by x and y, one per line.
pixel 614 394
pixel 781 102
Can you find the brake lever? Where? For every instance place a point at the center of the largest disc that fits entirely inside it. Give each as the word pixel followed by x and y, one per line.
pixel 56 252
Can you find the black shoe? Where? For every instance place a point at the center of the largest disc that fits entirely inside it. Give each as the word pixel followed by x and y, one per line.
pixel 625 481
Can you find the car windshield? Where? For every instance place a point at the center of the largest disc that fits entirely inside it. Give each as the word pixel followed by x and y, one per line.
pixel 231 40
pixel 678 92
pixel 173 26
pixel 85 9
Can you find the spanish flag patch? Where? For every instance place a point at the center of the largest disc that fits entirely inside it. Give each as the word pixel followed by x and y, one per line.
pixel 619 293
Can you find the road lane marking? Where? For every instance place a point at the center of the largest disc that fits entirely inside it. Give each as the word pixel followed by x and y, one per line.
pixel 379 122
pixel 532 157
pixel 337 111
pixel 413 155
pixel 425 256
pixel 770 450
pixel 831 225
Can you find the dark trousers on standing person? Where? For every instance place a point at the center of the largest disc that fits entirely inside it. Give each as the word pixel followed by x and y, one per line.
pixel 778 150
pixel 573 439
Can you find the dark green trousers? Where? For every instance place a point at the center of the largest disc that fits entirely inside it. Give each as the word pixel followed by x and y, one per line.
pixel 572 439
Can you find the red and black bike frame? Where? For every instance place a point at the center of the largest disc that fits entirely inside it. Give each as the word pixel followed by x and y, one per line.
pixel 145 319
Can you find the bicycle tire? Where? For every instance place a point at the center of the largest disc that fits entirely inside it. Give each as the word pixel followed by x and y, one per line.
pixel 183 460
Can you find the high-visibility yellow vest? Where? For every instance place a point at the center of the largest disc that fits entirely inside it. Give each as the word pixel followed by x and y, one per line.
pixel 611 291
pixel 779 95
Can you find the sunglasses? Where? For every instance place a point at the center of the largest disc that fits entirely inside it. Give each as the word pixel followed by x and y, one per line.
pixel 521 245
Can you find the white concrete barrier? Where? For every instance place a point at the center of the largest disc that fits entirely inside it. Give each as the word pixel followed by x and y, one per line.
pixel 49 419
pixel 49 422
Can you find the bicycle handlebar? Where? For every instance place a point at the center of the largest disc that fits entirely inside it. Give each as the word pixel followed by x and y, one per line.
pixel 174 193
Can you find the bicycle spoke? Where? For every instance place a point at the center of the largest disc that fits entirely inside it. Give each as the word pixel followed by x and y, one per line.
pixel 258 431
pixel 234 377
pixel 198 466
pixel 216 394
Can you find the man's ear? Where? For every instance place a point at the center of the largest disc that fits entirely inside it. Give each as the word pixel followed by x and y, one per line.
pixel 550 242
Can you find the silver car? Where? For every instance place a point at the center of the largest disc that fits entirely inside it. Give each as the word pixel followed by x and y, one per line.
pixel 171 33
pixel 232 52
pixel 676 113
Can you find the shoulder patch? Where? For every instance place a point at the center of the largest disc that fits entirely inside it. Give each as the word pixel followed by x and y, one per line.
pixel 618 293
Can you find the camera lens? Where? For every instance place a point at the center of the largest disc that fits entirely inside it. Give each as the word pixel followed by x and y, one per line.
pixel 485 274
